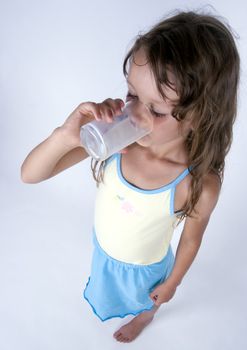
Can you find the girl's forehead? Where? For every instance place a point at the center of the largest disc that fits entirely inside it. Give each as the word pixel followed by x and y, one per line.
pixel 141 79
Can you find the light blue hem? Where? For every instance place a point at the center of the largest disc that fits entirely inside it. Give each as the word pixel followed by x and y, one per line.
pixel 108 318
pixel 175 182
pixel 172 185
pixel 172 200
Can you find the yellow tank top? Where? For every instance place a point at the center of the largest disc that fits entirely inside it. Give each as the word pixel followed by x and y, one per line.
pixel 131 224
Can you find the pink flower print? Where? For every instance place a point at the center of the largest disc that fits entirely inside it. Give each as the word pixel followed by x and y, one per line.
pixel 127 207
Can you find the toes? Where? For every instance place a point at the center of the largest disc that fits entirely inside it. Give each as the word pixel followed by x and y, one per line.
pixel 120 338
pixel 116 334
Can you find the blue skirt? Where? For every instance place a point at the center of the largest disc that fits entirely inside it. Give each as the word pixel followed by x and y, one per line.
pixel 118 289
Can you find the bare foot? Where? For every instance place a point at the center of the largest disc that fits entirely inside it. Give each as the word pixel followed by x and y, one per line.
pixel 131 330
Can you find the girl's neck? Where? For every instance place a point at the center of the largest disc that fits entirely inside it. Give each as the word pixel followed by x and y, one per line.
pixel 174 153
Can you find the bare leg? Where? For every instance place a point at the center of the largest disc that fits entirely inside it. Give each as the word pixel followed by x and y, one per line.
pixel 131 330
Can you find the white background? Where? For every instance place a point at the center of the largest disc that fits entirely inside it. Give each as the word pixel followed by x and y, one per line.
pixel 54 55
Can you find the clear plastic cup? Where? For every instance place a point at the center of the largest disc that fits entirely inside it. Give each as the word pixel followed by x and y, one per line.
pixel 102 139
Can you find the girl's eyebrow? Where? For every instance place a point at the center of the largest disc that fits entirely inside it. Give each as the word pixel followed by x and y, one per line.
pixel 155 101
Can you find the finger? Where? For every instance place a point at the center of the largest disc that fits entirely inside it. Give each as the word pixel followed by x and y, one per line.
pixel 120 102
pixel 106 112
pixel 90 108
pixel 116 105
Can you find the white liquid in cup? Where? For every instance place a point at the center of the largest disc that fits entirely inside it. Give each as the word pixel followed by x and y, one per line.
pixel 102 139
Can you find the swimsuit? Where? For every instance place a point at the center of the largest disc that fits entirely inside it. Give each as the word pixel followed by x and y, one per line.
pixel 131 235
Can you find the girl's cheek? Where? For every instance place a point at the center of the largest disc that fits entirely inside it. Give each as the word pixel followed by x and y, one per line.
pixel 157 124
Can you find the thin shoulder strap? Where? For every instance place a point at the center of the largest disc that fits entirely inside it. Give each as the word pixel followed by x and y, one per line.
pixel 182 176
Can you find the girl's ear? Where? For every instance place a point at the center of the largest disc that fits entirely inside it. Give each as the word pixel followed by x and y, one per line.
pixel 187 127
pixel 189 119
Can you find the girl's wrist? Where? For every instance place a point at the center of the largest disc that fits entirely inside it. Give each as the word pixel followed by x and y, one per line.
pixel 61 137
pixel 171 282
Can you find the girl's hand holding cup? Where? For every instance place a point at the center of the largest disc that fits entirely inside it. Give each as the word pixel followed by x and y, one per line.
pixel 86 112
pixel 101 140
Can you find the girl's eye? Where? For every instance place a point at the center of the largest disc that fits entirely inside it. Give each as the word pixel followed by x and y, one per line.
pixel 156 114
pixel 159 115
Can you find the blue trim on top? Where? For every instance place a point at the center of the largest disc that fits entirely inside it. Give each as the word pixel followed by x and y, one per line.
pixel 108 160
pixel 158 190
pixel 172 200
pixel 176 181
pixel 181 176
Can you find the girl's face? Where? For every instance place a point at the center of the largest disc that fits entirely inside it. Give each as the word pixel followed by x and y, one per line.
pixel 142 87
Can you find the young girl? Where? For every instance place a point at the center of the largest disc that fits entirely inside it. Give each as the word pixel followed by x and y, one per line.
pixel 185 70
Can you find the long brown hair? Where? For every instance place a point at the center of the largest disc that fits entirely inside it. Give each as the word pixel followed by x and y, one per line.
pixel 202 53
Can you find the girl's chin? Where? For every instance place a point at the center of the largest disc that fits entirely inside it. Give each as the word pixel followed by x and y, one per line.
pixel 144 141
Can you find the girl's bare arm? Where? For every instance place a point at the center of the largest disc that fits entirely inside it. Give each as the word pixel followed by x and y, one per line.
pixel 49 158
pixel 63 148
pixel 194 229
